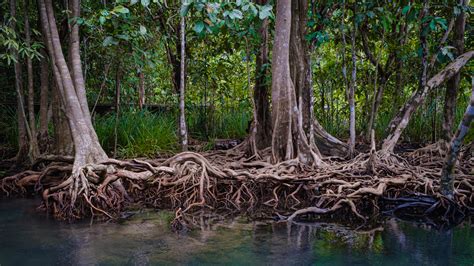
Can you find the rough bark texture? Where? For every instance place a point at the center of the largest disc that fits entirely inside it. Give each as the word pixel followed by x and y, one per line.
pixel 300 68
pixel 452 86
pixel 400 121
pixel 288 139
pixel 260 93
pixel 183 133
pixel 447 174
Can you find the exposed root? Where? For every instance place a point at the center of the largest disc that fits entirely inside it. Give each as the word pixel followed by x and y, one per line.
pixel 190 181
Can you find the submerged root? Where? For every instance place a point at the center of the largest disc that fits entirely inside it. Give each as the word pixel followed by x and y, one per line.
pixel 190 181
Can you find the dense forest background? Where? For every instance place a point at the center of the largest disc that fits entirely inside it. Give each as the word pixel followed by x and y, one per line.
pixel 133 46
pixel 111 103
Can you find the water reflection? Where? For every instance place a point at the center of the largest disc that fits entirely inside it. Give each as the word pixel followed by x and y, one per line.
pixel 29 238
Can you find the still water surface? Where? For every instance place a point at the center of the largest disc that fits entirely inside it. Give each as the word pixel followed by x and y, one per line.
pixel 27 238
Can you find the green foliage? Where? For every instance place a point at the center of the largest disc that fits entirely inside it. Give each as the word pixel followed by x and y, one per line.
pixel 139 133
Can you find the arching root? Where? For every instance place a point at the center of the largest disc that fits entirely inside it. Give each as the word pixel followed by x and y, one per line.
pixel 190 181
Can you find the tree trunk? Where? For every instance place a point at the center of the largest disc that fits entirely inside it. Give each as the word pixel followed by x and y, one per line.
pixel 351 94
pixel 288 139
pixel 401 120
pixel 447 173
pixel 118 86
pixel 63 144
pixel 300 67
pixel 44 94
pixel 183 134
pixel 260 94
pixel 141 89
pixel 452 87
pixel 87 148
pixel 22 155
pixel 33 148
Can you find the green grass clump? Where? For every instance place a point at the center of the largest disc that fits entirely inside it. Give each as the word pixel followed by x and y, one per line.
pixel 139 133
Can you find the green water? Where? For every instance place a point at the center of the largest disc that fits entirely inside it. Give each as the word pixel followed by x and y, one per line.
pixel 29 238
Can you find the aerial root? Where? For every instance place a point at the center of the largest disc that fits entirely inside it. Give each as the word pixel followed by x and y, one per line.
pixel 190 181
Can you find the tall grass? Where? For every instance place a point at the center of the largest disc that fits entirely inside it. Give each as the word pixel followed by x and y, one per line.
pixel 209 124
pixel 147 134
pixel 139 133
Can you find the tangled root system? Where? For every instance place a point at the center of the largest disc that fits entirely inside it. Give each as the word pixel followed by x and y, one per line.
pixel 360 188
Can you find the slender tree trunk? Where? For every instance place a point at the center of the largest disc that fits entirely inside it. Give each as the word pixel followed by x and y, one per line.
pixel 118 87
pixel 44 95
pixel 352 88
pixel 401 120
pixel 447 173
pixel 22 155
pixel 183 133
pixel 33 148
pixel 141 89
pixel 452 87
pixel 288 139
pixel 260 93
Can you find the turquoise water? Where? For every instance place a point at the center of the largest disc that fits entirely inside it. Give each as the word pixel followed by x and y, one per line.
pixel 29 238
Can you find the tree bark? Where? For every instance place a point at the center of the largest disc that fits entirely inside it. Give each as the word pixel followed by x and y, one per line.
pixel 33 148
pixel 452 87
pixel 401 120
pixel 351 95
pixel 87 148
pixel 183 133
pixel 63 144
pixel 260 93
pixel 288 138
pixel 141 89
pixel 118 87
pixel 447 173
pixel 44 105
pixel 22 154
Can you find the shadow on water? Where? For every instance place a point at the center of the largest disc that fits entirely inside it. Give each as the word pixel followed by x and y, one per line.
pixel 28 238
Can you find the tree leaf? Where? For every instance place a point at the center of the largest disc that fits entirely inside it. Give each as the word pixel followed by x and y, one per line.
pixel 121 9
pixel 199 26
pixel 406 9
pixel 142 30
pixel 145 3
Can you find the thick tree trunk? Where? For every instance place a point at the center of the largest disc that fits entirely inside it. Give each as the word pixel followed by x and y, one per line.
pixel 447 173
pixel 260 93
pixel 401 120
pixel 44 104
pixel 87 149
pixel 300 67
pixel 452 87
pixel 351 95
pixel 183 133
pixel 33 148
pixel 289 140
pixel 63 144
